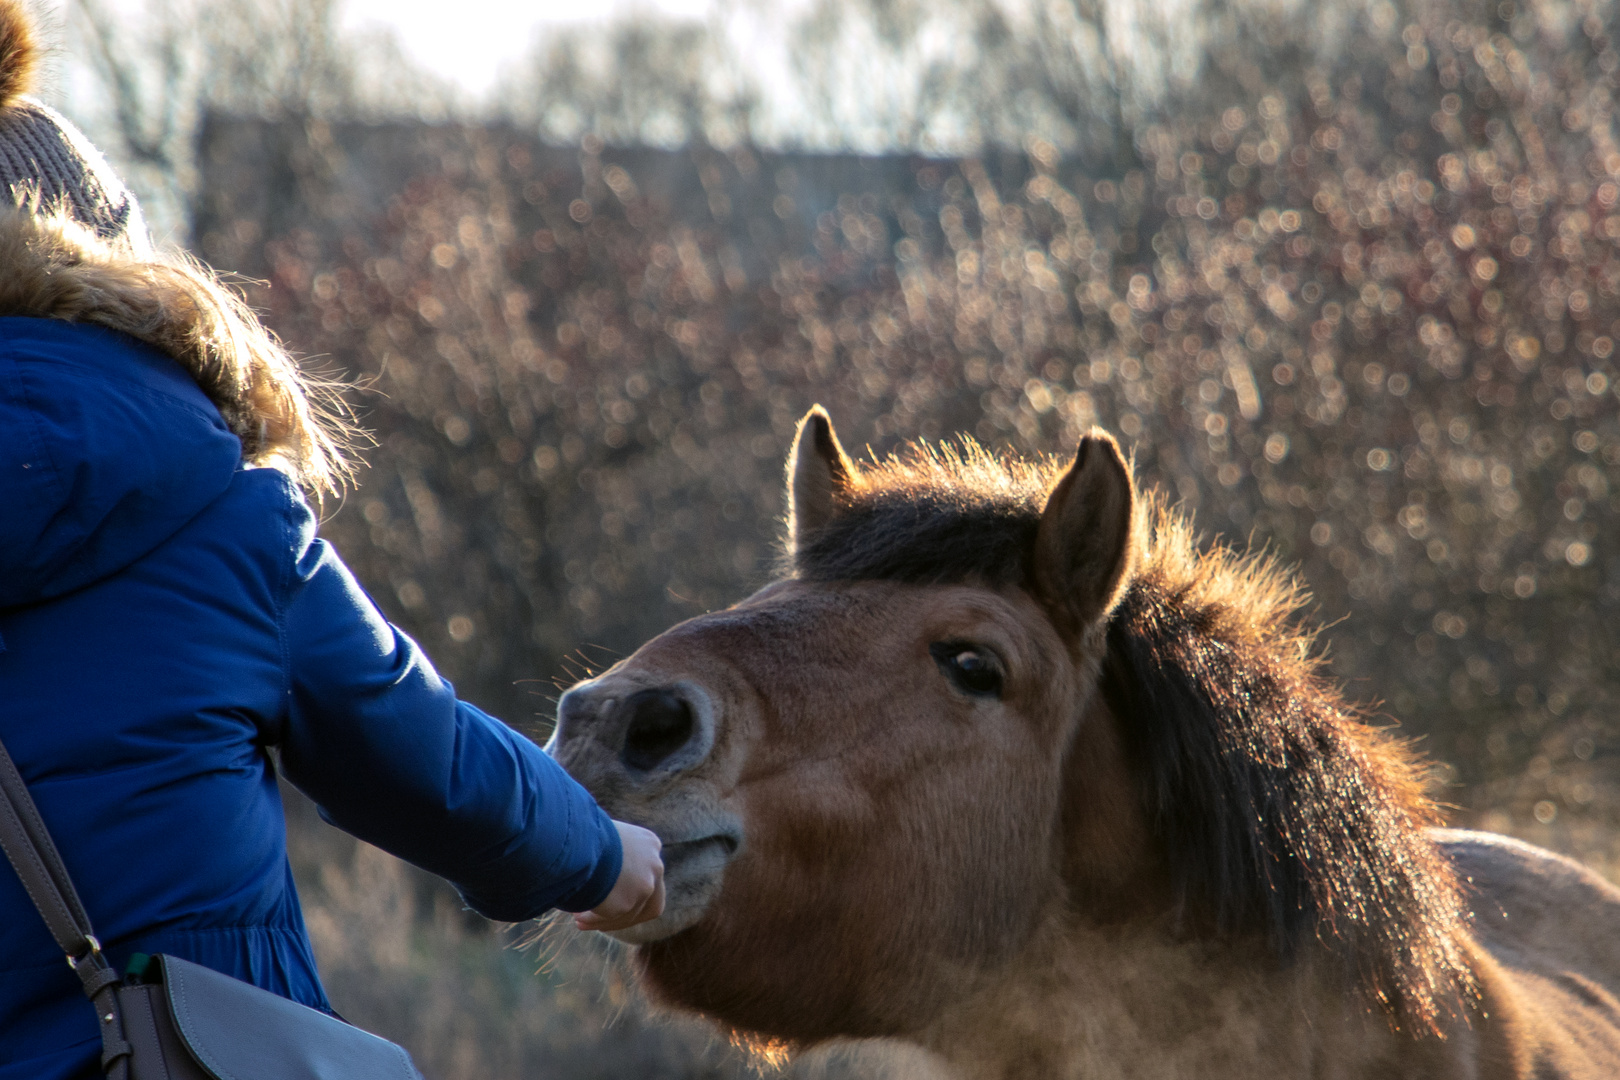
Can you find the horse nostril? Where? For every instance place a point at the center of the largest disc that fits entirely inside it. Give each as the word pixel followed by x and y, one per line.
pixel 660 724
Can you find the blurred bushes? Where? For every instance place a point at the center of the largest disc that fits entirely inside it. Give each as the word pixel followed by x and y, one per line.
pixel 1364 317
pixel 1372 327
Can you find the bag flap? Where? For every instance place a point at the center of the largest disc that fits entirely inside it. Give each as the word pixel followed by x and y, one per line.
pixel 239 1032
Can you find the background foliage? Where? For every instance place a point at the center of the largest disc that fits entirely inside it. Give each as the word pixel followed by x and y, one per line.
pixel 1350 289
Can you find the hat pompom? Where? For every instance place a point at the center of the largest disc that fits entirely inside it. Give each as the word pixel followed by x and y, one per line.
pixel 19 52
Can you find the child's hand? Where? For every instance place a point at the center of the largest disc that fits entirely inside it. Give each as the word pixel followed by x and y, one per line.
pixel 638 895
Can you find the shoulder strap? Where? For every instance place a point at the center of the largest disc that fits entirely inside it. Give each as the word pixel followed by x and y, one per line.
pixel 33 855
pixel 28 845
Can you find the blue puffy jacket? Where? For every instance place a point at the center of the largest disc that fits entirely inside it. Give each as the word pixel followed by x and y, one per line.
pixel 166 617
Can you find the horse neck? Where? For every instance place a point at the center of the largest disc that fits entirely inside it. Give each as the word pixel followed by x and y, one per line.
pixel 1118 981
pixel 1138 1000
pixel 1112 866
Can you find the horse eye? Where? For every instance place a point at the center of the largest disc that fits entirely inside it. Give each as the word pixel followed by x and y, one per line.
pixel 973 671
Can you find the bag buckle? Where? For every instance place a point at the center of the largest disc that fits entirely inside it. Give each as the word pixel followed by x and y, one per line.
pixel 93 951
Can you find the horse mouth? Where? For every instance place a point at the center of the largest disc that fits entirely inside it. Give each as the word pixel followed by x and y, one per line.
pixel 692 874
pixel 678 853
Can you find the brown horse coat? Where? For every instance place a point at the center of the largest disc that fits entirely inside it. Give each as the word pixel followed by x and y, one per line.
pixel 1005 766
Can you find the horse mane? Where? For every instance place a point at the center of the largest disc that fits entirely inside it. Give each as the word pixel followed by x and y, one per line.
pixel 1280 810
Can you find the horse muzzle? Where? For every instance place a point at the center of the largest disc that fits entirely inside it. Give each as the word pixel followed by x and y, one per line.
pixel 639 750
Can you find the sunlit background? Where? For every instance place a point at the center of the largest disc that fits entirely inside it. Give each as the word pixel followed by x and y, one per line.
pixel 1345 275
pixel 486 38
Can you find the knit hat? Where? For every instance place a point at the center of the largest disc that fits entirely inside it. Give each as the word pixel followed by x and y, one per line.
pixel 46 164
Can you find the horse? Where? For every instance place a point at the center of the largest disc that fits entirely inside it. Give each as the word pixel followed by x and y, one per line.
pixel 1008 765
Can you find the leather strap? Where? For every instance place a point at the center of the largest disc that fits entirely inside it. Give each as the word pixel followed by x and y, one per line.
pixel 28 845
pixel 32 852
pixel 115 1049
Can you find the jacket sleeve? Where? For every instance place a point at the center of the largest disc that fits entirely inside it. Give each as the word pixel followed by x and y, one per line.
pixel 388 753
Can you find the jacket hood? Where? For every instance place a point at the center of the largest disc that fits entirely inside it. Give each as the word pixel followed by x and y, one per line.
pixel 107 448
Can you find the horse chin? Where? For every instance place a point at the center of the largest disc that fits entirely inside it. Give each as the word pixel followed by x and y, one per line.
pixel 693 872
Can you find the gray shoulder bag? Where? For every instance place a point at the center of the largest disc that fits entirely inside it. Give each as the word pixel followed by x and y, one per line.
pixel 182 1021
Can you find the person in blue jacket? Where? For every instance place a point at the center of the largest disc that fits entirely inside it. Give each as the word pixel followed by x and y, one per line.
pixel 172 630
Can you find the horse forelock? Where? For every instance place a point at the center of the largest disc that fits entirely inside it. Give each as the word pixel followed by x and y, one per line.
pixel 932 515
pixel 1280 810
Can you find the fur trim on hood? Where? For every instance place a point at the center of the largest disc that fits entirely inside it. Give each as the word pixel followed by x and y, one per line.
pixel 19 52
pixel 53 268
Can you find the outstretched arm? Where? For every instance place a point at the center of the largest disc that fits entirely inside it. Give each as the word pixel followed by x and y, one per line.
pixel 383 746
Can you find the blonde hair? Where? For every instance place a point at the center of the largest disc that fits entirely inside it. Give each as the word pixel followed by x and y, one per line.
pixel 55 268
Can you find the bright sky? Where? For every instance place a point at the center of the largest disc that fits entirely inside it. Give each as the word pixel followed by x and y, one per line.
pixel 471 46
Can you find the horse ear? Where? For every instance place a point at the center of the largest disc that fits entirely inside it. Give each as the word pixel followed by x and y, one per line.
pixel 1085 547
pixel 818 475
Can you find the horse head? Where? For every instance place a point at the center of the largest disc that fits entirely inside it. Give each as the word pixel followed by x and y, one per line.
pixel 988 701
